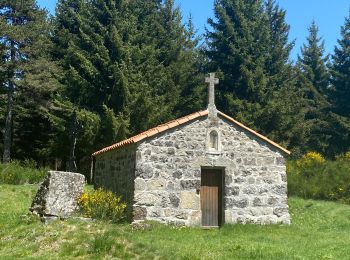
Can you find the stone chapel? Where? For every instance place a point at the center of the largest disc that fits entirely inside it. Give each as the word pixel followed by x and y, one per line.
pixel 204 169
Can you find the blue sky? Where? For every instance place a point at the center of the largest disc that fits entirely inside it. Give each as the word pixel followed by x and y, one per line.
pixel 328 14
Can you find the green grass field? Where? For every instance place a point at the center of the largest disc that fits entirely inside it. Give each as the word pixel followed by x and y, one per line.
pixel 320 230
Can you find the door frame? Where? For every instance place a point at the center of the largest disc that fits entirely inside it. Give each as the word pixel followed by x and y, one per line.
pixel 221 220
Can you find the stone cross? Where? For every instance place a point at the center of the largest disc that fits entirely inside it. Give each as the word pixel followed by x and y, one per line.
pixel 212 81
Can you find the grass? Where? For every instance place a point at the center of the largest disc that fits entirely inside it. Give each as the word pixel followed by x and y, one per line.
pixel 21 173
pixel 320 230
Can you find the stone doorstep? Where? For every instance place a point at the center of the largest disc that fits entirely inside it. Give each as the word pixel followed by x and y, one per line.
pixel 210 227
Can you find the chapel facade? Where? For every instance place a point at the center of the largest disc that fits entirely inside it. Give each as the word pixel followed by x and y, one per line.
pixel 204 169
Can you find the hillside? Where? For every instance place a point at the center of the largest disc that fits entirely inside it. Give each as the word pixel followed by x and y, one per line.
pixel 320 230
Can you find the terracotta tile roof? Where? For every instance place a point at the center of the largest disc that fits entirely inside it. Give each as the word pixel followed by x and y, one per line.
pixel 180 121
pixel 153 131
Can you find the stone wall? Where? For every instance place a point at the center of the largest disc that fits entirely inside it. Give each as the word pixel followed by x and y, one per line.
pixel 168 175
pixel 114 170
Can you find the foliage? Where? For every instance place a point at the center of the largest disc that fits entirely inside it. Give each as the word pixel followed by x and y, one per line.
pixel 313 61
pixel 21 173
pixel 319 230
pixel 310 159
pixel 126 66
pixel 29 77
pixel 344 157
pixel 324 129
pixel 249 46
pixel 312 177
pixel 134 64
pixel 341 73
pixel 102 204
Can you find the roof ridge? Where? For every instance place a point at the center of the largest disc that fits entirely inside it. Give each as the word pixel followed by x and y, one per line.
pixel 182 120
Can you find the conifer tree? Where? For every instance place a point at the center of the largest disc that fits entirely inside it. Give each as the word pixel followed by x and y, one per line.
pixel 29 76
pixel 323 127
pixel 249 45
pixel 279 47
pixel 313 61
pixel 278 115
pixel 236 47
pixel 341 72
pixel 127 61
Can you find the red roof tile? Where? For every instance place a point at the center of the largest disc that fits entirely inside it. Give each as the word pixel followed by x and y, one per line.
pixel 153 131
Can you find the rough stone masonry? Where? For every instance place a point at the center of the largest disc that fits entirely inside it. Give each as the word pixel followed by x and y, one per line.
pixel 161 176
pixel 58 194
pixel 160 172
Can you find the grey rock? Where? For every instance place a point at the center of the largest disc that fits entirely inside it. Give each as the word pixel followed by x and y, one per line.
pixel 280 161
pixel 169 143
pixel 177 174
pixel 197 173
pixel 249 190
pixel 190 184
pixel 139 213
pixel 232 191
pixel 258 202
pixel 249 161
pixel 239 203
pixel 239 180
pixel 174 200
pixel 280 211
pixel 58 194
pixel 145 172
pixel 280 189
pixel 228 179
pixel 171 151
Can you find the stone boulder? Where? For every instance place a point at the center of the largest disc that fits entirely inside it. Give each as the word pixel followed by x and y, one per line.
pixel 58 194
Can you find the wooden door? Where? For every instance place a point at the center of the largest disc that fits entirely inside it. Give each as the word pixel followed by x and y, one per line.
pixel 211 197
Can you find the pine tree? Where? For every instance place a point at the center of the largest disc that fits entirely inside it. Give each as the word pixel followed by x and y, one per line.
pixel 278 64
pixel 29 76
pixel 323 127
pixel 133 57
pixel 341 72
pixel 237 47
pixel 277 110
pixel 313 61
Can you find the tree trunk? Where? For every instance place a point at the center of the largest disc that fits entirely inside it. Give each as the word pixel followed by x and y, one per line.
pixel 72 166
pixel 8 125
pixel 6 158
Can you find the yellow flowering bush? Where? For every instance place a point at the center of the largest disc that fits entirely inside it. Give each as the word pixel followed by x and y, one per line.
pixel 310 159
pixel 102 204
pixel 312 177
pixel 347 156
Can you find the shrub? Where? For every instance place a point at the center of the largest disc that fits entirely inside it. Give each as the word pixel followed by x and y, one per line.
pixel 311 159
pixel 21 173
pixel 319 179
pixel 102 204
pixel 344 157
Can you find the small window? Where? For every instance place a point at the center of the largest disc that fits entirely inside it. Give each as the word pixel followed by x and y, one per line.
pixel 214 140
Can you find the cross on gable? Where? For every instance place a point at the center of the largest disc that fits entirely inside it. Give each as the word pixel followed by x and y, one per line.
pixel 212 81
